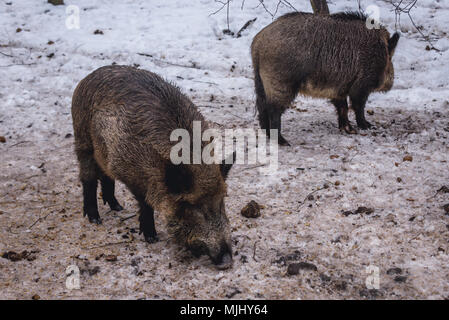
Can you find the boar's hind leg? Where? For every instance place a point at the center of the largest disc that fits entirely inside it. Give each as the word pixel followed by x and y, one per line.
pixel 278 94
pixel 88 177
pixel 358 102
pixel 274 115
pixel 342 110
pixel 264 120
pixel 107 191
pixel 146 219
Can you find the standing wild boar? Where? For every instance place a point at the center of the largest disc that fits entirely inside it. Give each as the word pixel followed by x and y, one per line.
pixel 324 56
pixel 122 120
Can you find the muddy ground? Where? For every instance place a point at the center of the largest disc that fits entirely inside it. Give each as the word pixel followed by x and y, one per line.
pixel 304 218
pixel 337 205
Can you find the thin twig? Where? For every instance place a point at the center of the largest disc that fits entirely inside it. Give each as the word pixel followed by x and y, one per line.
pixel 221 8
pixel 253 167
pixel 16 144
pixel 311 193
pixel 7 55
pixel 38 220
pixel 168 62
pixel 106 245
pixel 33 176
pixel 266 9
pixel 254 251
pixel 124 219
pixel 290 5
pixel 273 14
pixel 207 82
pixel 237 116
pixel 18 64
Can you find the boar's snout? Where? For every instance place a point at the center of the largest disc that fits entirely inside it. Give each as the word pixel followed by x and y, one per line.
pixel 204 229
pixel 223 260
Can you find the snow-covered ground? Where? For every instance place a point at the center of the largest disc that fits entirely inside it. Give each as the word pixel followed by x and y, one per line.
pixel 323 174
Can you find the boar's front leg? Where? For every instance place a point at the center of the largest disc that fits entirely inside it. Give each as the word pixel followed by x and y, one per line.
pixel 146 219
pixel 107 192
pixel 264 120
pixel 90 201
pixel 88 177
pixel 342 110
pixel 358 102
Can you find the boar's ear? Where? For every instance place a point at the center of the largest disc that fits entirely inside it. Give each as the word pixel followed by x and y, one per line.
pixel 178 178
pixel 392 42
pixel 226 165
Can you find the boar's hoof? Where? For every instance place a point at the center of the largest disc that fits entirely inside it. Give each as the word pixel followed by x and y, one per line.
pixel 225 263
pixel 95 220
pixel 364 125
pixel 151 239
pixel 92 214
pixel 113 203
pixel 282 141
pixel 348 129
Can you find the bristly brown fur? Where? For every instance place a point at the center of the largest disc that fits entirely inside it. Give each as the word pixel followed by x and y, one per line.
pixel 324 56
pixel 350 16
pixel 123 118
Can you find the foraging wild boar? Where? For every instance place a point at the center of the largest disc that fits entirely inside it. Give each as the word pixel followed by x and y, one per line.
pixel 122 120
pixel 323 56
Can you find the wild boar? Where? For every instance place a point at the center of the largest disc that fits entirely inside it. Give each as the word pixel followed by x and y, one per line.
pixel 122 120
pixel 323 56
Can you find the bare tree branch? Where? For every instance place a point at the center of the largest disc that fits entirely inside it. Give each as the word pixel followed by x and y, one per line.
pixel 6 55
pixel 279 3
pixel 224 4
pixel 400 7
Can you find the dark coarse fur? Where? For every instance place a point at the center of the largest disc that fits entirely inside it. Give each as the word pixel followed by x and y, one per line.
pixel 122 119
pixel 324 56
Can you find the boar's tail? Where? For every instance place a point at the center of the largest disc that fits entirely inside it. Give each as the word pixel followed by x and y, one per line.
pixel 260 92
